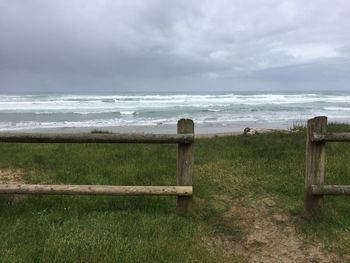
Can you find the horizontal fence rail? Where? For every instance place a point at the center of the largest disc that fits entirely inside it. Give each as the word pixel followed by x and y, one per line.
pixel 184 140
pixel 330 189
pixel 94 190
pixel 95 138
pixel 331 137
pixel 316 139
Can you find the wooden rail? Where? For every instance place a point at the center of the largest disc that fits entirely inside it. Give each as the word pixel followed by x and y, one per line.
pixel 184 139
pixel 331 137
pixel 330 189
pixel 316 139
pixel 95 138
pixel 94 189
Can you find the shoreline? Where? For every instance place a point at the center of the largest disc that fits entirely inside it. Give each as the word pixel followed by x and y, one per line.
pixel 202 130
pixel 111 131
pixel 227 112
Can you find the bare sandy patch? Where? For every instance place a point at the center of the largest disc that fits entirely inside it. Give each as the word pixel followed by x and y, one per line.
pixel 269 236
pixel 16 176
pixel 9 176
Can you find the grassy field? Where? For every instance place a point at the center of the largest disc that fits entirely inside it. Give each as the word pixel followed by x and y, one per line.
pixel 227 170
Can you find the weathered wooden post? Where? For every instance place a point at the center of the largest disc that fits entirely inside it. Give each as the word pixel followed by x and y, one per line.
pixel 184 164
pixel 315 164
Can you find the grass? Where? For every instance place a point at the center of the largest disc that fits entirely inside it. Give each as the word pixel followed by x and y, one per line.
pixel 146 229
pixel 100 131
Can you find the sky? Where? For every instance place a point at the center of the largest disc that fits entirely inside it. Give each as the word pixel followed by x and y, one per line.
pixel 157 45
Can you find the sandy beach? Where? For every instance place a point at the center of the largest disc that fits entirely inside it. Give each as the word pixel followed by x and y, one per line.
pixel 200 128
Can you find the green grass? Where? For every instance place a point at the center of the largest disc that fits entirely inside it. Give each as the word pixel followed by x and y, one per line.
pixel 100 131
pixel 147 229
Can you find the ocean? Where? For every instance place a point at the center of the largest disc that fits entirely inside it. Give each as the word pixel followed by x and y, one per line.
pixel 211 112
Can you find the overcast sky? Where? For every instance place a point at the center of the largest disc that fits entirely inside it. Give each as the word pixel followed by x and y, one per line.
pixel 109 45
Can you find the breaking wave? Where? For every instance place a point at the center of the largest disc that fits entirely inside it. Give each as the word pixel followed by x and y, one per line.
pixel 19 112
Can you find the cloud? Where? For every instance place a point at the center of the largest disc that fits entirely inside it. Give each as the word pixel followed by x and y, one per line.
pixel 181 45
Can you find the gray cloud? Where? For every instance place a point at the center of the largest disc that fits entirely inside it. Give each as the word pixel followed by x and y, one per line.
pixel 181 45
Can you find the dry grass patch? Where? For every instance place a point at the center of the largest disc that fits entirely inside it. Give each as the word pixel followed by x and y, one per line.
pixel 16 176
pixel 9 176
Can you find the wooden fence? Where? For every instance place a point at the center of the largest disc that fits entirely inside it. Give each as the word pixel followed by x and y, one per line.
pixel 184 139
pixel 317 136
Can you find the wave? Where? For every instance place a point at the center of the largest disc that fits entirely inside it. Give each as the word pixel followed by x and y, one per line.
pixel 29 125
pixel 128 112
pixel 337 108
pixel 71 102
pixel 59 111
pixel 139 122
pixel 83 112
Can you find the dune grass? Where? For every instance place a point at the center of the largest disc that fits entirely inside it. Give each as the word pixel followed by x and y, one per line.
pixel 147 229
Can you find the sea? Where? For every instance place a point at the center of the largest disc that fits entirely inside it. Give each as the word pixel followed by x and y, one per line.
pixel 159 112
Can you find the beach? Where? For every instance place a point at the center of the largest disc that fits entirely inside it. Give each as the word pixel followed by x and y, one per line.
pixel 200 129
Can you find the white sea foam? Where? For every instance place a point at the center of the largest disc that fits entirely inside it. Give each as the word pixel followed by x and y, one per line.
pixel 56 111
pixel 337 108
pixel 128 112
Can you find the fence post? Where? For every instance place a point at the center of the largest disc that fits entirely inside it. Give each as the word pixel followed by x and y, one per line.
pixel 315 164
pixel 184 164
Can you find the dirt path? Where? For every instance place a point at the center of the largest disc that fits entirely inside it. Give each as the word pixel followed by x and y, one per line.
pixel 269 236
